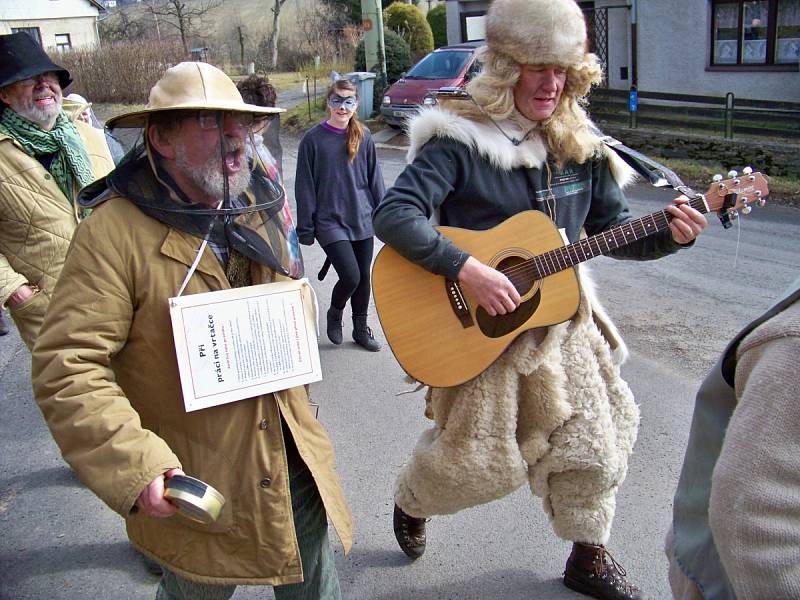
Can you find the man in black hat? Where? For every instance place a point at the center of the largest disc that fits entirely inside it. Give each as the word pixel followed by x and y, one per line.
pixel 45 158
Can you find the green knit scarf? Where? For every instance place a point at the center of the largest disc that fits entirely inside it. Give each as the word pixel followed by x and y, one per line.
pixel 71 162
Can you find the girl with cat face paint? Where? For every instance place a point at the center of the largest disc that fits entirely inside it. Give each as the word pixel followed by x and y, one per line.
pixel 337 185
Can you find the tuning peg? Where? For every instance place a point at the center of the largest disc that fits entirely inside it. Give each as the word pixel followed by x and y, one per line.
pixel 747 209
pixel 747 171
pixel 732 174
pixel 761 201
pixel 717 178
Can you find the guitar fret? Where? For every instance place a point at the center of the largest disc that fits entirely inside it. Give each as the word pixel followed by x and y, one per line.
pixel 587 244
pixel 541 267
pixel 561 258
pixel 571 255
pixel 552 264
pixel 564 259
pixel 583 251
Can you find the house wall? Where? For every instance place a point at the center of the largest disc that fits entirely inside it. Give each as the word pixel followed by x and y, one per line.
pixel 674 49
pixel 82 31
pixel 618 44
pixel 454 10
pixel 78 18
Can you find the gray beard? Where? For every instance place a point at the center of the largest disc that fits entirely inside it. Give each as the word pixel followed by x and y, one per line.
pixel 44 118
pixel 209 177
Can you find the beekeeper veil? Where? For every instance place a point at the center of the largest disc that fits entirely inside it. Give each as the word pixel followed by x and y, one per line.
pixel 249 214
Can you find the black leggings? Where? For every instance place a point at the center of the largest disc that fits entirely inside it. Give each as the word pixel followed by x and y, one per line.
pixel 352 261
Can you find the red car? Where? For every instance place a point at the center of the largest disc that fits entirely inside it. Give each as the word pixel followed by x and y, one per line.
pixel 445 67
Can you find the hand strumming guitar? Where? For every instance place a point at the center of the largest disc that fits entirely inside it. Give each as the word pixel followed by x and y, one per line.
pixel 491 288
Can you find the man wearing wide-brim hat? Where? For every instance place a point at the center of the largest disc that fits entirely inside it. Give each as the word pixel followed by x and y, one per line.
pixel 185 213
pixel 45 158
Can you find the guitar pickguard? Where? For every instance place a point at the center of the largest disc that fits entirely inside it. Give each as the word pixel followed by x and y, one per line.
pixel 529 290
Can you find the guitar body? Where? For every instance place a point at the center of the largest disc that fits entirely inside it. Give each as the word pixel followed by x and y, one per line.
pixel 437 331
pixel 440 335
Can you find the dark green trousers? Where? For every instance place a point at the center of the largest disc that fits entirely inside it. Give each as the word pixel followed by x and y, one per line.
pixel 320 580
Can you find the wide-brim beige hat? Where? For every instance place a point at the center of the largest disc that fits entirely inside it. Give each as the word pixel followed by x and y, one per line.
pixel 191 86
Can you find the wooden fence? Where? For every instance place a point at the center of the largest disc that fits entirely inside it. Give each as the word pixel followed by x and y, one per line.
pixel 725 116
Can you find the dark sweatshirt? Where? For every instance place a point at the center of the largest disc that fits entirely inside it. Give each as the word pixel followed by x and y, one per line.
pixel 335 197
pixel 464 189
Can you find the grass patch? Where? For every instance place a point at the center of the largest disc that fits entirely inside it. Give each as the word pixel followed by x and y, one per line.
pixel 298 119
pixel 783 190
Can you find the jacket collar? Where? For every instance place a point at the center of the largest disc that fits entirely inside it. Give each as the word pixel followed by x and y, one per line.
pixel 482 137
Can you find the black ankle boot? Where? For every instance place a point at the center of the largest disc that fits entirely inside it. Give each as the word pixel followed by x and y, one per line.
pixel 335 325
pixel 592 571
pixel 363 334
pixel 410 533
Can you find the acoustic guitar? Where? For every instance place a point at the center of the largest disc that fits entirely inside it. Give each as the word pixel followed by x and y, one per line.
pixel 442 337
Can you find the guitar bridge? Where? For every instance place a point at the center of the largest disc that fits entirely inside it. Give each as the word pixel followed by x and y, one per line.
pixel 458 303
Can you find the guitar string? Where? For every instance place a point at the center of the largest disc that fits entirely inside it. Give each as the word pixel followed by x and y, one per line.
pixel 615 233
pixel 528 267
pixel 557 256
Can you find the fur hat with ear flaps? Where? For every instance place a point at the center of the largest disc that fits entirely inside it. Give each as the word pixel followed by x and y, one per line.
pixel 537 31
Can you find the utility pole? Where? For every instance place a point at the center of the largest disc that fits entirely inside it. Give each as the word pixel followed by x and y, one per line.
pixel 372 21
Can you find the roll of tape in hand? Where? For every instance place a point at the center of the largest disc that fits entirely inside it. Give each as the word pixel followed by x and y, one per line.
pixel 195 499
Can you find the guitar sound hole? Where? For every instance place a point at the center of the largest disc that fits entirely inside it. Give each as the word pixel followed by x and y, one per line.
pixel 500 325
pixel 519 277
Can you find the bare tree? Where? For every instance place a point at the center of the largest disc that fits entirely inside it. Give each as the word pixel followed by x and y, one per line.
pixel 274 34
pixel 151 6
pixel 185 17
pixel 314 23
pixel 122 25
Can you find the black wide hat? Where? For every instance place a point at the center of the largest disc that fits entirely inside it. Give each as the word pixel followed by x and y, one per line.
pixel 21 57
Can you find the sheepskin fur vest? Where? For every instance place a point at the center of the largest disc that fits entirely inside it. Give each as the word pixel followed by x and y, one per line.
pixel 552 411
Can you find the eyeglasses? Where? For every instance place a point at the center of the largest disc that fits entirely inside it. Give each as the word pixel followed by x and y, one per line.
pixel 48 77
pixel 346 102
pixel 207 119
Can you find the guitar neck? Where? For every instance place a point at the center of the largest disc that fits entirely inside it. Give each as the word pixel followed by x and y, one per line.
pixel 603 243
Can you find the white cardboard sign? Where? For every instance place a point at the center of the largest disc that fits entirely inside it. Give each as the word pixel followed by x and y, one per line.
pixel 242 342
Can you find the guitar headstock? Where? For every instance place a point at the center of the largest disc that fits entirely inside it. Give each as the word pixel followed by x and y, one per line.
pixel 737 193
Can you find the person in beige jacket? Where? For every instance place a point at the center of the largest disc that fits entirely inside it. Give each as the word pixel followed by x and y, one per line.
pixel 734 530
pixel 45 158
pixel 105 373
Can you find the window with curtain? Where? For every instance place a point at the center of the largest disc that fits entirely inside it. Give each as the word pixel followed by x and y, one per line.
pixel 755 32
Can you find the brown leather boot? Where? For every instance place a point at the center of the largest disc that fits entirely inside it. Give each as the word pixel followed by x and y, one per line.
pixel 410 533
pixel 592 571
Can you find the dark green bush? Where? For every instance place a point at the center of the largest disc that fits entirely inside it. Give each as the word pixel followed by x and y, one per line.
pixel 437 19
pixel 398 61
pixel 409 22
pixel 398 55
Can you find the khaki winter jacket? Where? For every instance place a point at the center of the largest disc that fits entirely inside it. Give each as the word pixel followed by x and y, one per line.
pixel 106 378
pixel 36 224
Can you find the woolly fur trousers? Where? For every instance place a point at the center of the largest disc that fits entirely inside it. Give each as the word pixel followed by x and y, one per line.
pixel 552 411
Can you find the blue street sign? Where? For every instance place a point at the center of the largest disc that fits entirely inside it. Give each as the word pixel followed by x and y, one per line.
pixel 633 101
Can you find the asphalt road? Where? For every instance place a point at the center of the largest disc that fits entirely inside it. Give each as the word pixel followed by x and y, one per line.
pixel 57 541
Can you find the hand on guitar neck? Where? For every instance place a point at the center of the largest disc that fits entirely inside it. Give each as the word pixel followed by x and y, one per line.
pixel 687 223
